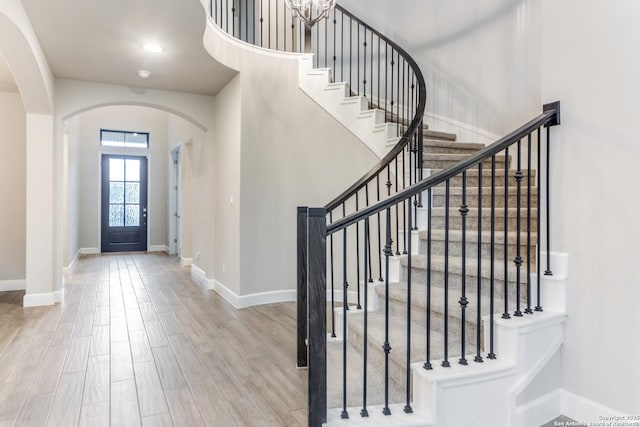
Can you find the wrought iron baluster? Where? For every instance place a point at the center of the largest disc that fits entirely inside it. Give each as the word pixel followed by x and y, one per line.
pixel 379 234
pixel 528 310
pixel 397 214
pixel 427 364
pixel 491 354
pixel 548 271
pixel 326 43
pixel 445 362
pixel 358 59
pixel 478 357
pixel 364 68
pixel 518 259
pixel 386 346
pixel 539 232
pixel 367 255
pixel 404 209
pixel 368 237
pixel 359 306
pixel 335 22
pixel 464 210
pixel 345 307
pixel 333 299
pixel 407 407
pixel 506 314
pixel 345 295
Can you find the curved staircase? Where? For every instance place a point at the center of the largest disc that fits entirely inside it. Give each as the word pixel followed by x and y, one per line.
pixel 427 264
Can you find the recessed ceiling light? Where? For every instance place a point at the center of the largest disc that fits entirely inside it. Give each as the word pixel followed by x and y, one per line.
pixel 144 74
pixel 153 47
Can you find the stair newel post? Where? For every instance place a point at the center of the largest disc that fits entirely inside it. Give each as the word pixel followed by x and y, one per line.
pixel 539 232
pixel 301 299
pixel 427 363
pixel 335 23
pixel 492 249
pixel 367 254
pixel 445 362
pixel 407 407
pixel 478 357
pixel 386 346
pixel 464 210
pixel 333 298
pixel 345 308
pixel 528 310
pixel 359 305
pixel 518 259
pixel 317 329
pixel 506 314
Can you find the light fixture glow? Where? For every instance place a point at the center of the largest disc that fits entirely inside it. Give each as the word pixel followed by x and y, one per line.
pixel 153 47
pixel 144 74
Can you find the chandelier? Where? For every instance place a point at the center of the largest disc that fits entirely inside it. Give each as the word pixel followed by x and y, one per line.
pixel 311 11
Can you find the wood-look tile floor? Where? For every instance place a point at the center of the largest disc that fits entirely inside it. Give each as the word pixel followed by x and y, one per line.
pixel 137 342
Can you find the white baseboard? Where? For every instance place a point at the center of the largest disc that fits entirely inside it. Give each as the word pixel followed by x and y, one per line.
pixel 199 276
pixel 67 270
pixel 36 300
pixel 186 262
pixel 13 285
pixel 241 301
pixel 250 300
pixel 540 411
pixel 584 410
pixel 158 248
pixel 89 251
pixel 57 295
pixel 562 402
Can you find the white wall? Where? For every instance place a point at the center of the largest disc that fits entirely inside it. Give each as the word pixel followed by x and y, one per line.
pixel 480 59
pixel 228 199
pixel 12 187
pixel 74 165
pixel 184 134
pixel 591 63
pixel 292 153
pixel 128 118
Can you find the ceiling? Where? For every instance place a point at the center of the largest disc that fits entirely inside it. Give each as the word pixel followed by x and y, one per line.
pixel 102 41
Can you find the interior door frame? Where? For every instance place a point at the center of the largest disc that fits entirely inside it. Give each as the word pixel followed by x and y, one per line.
pixel 175 203
pixel 140 153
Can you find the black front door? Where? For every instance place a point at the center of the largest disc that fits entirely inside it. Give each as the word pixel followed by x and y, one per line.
pixel 124 203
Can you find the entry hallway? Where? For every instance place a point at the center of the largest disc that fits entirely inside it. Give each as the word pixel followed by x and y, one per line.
pixel 137 342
